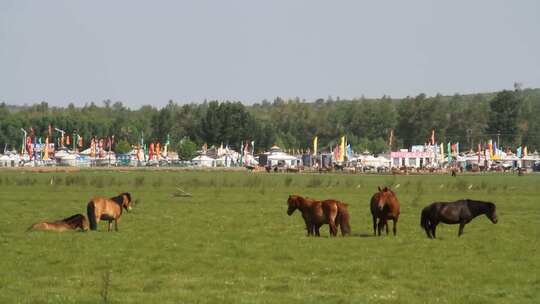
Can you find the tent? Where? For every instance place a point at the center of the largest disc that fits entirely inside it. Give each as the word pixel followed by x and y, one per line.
pixel 203 161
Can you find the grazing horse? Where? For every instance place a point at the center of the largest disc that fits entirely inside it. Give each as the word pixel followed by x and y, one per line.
pixel 384 206
pixel 459 212
pixel 317 213
pixel 107 209
pixel 77 221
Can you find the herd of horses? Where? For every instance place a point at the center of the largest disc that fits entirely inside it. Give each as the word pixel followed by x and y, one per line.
pixel 98 209
pixel 384 206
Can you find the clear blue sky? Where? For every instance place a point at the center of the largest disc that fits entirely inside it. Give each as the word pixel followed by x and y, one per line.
pixel 147 52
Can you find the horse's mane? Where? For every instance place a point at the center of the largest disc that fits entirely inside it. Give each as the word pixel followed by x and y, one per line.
pixel 71 218
pixel 489 204
pixel 119 199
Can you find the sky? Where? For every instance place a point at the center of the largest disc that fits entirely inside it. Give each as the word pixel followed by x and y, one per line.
pixel 150 52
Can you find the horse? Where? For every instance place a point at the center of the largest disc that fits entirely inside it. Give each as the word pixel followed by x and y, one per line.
pixel 77 221
pixel 459 212
pixel 317 213
pixel 342 218
pixel 107 209
pixel 384 206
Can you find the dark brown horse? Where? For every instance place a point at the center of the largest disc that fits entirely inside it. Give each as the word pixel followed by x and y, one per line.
pixel 384 206
pixel 459 212
pixel 107 209
pixel 317 213
pixel 77 221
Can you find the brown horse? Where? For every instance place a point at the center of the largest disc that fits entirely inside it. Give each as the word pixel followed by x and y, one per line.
pixel 77 221
pixel 317 213
pixel 107 209
pixel 384 206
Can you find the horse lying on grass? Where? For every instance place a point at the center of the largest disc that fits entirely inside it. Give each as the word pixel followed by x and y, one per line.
pixel 77 221
pixel 107 209
pixel 317 213
pixel 459 212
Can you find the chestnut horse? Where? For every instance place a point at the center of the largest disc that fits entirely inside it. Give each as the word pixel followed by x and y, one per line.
pixel 317 213
pixel 384 206
pixel 77 221
pixel 107 209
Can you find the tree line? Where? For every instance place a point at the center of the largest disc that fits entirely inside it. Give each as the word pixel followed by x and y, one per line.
pixel 511 117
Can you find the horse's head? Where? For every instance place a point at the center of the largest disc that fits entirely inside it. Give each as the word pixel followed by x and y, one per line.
pixel 292 202
pixel 385 194
pixel 126 202
pixel 491 213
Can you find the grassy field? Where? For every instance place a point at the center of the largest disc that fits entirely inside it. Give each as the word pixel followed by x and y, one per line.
pixel 232 242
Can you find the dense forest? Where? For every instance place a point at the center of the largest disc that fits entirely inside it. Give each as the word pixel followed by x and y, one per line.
pixel 512 117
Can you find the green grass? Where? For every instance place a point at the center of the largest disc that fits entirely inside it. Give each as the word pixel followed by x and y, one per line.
pixel 232 242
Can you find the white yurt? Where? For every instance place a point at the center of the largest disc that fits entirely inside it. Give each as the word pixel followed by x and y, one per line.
pixel 203 161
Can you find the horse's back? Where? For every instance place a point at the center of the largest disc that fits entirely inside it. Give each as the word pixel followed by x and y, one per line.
pixel 56 226
pixel 446 212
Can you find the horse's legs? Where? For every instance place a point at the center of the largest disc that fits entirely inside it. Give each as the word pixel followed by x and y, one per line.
pixel 374 225
pixel 386 225
pixel 312 229
pixel 461 226
pixel 110 222
pixel 116 224
pixel 394 227
pixel 380 226
pixel 317 227
pixel 333 228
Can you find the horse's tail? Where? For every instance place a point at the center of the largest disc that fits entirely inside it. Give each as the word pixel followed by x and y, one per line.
pixel 342 219
pixel 424 219
pixel 91 212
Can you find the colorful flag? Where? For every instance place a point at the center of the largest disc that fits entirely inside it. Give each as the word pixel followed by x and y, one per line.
pixel 167 143
pixel 525 152
pixel 315 139
pixel 46 149
pixel 433 137
pixel 442 152
pixel 490 147
pixel 241 152
pixel 449 148
pixel 518 152
pixel 34 146
pixel 342 149
pixel 92 147
pixel 479 152
pixel 151 151
pixel 29 146
pixel 457 148
pixel 23 147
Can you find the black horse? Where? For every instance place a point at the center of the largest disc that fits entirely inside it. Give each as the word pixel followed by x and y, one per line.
pixel 459 212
